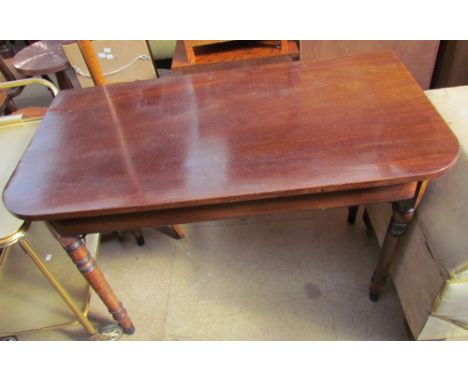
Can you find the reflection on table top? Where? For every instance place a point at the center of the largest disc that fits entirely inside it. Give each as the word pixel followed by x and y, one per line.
pixel 244 134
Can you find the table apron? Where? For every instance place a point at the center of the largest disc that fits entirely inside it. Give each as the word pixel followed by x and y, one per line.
pixel 155 218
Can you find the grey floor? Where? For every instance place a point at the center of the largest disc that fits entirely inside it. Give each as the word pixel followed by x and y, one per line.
pixel 301 276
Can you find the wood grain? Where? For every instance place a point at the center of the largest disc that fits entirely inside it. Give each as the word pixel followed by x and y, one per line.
pixel 248 134
pixel 133 220
pixel 419 56
pixel 232 54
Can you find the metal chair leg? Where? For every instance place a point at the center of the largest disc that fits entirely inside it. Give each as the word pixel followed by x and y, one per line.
pixel 29 250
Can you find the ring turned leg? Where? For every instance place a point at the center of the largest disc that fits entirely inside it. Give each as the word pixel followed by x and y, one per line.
pixel 352 212
pixel 402 215
pixel 76 249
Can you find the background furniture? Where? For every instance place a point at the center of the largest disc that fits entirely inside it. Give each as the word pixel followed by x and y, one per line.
pixel 162 49
pixel 418 56
pixel 452 65
pixel 431 275
pixel 44 58
pixel 190 46
pixel 231 54
pixel 7 104
pixel 120 61
pixel 295 115
pixel 5 50
pixel 9 73
pixel 28 300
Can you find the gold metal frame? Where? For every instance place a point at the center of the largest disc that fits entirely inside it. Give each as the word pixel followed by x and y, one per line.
pixel 29 81
pixel 80 315
pixel 18 236
pixel 14 237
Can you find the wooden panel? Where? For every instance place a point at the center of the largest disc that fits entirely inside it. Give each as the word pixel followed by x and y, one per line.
pixel 235 210
pixel 203 42
pixel 233 54
pixel 238 135
pixel 452 65
pixel 418 56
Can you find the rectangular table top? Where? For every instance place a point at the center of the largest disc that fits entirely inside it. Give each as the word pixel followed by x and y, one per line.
pixel 244 134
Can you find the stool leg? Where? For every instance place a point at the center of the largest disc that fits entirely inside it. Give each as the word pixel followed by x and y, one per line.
pixel 29 250
pixel 138 235
pixel 352 212
pixel 79 254
pixel 63 81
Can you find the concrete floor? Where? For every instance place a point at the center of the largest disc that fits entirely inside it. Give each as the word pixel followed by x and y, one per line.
pixel 301 276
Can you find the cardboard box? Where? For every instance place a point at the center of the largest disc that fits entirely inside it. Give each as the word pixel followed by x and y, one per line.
pixel 121 61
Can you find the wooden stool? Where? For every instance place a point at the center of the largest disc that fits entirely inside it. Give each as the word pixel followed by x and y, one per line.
pixel 44 58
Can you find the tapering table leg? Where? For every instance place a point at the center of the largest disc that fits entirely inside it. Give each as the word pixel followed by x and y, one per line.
pixel 403 212
pixel 76 249
pixel 402 215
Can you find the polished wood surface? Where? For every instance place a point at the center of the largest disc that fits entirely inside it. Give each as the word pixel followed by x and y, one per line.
pixel 232 54
pixel 239 135
pixel 419 56
pixel 41 58
pixel 284 137
pixel 128 221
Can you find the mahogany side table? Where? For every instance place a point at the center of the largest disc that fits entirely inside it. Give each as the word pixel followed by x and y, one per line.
pixel 283 137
